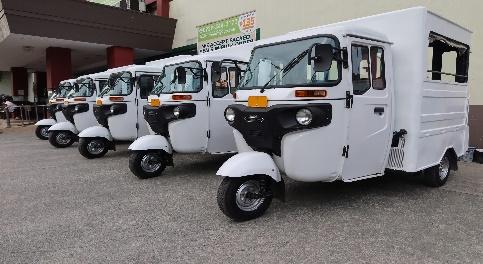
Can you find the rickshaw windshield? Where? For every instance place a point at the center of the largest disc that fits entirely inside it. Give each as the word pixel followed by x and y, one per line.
pixel 120 83
pixel 63 90
pixel 286 65
pixel 84 88
pixel 168 80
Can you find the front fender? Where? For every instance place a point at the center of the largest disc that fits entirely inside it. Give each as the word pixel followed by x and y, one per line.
pixel 152 142
pixel 250 163
pixel 64 126
pixel 96 131
pixel 46 122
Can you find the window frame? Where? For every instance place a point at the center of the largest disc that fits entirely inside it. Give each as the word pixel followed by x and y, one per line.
pixel 369 77
pixel 383 66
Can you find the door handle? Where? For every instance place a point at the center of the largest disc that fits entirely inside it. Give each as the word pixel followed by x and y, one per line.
pixel 378 110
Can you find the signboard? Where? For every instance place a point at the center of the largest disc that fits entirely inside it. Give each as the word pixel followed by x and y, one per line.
pixel 106 2
pixel 232 31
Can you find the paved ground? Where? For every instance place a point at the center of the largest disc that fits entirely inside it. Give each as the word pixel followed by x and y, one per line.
pixel 57 207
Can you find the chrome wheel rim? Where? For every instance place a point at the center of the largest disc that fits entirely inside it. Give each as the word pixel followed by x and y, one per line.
pixel 247 203
pixel 444 168
pixel 95 147
pixel 63 138
pixel 151 162
pixel 44 132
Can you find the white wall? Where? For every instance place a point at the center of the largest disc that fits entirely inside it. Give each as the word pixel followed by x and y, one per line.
pixel 6 83
pixel 276 17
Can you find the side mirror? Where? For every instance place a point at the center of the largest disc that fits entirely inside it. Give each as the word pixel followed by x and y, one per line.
pixel 215 71
pixel 323 57
pixel 181 75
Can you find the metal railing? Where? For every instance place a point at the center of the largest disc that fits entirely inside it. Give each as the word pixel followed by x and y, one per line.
pixel 24 114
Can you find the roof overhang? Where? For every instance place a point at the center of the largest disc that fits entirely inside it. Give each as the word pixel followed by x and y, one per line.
pixel 59 23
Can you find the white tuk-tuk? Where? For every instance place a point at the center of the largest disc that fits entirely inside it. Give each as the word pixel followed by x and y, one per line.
pixel 119 110
pixel 54 109
pixel 346 102
pixel 185 111
pixel 77 110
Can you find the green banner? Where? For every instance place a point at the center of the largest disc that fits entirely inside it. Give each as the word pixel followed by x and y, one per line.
pixel 105 2
pixel 219 29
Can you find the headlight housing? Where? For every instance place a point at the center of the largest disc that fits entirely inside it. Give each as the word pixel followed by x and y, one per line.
pixel 177 111
pixel 230 114
pixel 114 109
pixel 77 108
pixel 304 116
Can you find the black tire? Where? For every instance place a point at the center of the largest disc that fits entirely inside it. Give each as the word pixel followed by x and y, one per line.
pixel 227 198
pixel 86 151
pixel 137 158
pixel 61 139
pixel 437 176
pixel 42 132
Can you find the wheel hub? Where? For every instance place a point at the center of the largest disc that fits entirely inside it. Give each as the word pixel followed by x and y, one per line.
pixel 95 147
pixel 63 138
pixel 44 131
pixel 151 162
pixel 248 196
pixel 444 168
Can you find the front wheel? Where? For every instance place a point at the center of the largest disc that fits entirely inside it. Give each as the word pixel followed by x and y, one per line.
pixel 93 148
pixel 146 164
pixel 61 139
pixel 42 132
pixel 437 176
pixel 244 198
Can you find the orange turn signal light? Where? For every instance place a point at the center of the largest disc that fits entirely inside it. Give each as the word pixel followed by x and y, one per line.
pixel 310 93
pixel 60 99
pixel 116 98
pixel 178 97
pixel 79 99
pixel 99 102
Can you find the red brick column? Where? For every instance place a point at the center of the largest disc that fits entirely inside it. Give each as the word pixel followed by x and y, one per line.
pixel 162 8
pixel 59 66
pixel 19 82
pixel 119 56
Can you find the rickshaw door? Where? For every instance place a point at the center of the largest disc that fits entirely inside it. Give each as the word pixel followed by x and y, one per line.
pixel 221 138
pixel 371 112
pixel 145 84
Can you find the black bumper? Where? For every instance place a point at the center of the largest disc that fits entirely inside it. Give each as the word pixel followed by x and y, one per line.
pixel 264 128
pixel 158 117
pixel 103 112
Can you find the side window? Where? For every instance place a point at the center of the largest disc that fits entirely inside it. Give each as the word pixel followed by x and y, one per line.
pixel 146 85
pixel 448 59
pixel 378 68
pixel 360 69
pixel 220 88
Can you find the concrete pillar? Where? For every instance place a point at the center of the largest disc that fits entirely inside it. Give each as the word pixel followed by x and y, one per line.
pixel 19 82
pixel 162 8
pixel 119 56
pixel 59 66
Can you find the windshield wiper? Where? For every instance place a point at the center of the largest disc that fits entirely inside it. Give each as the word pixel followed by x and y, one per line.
pixel 292 63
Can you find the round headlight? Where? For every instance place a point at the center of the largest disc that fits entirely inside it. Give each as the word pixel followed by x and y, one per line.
pixel 176 111
pixel 304 117
pixel 113 109
pixel 59 107
pixel 230 115
pixel 77 108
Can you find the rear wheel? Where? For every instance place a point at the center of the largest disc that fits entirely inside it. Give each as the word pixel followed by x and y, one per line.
pixel 147 164
pixel 61 139
pixel 42 132
pixel 437 176
pixel 93 148
pixel 244 198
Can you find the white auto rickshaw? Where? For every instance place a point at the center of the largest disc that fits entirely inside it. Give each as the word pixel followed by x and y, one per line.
pixel 347 102
pixel 77 110
pixel 119 110
pixel 54 109
pixel 185 111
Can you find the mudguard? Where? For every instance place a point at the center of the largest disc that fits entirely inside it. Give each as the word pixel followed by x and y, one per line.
pixel 96 131
pixel 46 122
pixel 250 163
pixel 64 126
pixel 152 142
